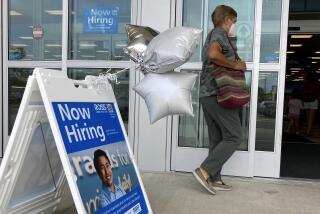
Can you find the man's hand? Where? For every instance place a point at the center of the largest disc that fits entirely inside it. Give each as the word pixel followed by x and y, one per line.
pixel 239 65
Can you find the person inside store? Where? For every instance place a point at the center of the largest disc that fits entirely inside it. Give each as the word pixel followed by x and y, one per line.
pixel 295 106
pixel 310 92
pixel 109 191
pixel 224 126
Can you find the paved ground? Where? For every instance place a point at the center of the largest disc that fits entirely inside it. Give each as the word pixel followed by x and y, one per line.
pixel 175 193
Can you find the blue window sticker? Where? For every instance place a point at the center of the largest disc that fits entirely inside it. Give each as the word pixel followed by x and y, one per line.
pixel 100 20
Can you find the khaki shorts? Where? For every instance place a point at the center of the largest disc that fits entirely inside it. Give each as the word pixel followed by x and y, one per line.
pixel 311 105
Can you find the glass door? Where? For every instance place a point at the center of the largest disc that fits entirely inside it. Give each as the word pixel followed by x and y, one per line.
pixel 64 35
pixel 32 38
pixel 271 85
pixel 260 132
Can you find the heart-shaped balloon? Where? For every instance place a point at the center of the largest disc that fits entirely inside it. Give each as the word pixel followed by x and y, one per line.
pixel 138 39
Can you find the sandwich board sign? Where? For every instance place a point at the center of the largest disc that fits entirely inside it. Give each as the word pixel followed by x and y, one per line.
pixel 69 138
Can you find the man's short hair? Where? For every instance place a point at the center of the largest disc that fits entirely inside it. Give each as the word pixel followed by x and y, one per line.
pixel 98 153
pixel 220 13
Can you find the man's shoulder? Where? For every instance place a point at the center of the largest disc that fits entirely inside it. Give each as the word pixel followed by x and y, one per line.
pixel 104 190
pixel 218 35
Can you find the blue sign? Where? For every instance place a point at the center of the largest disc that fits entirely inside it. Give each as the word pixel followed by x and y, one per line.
pixel 91 134
pixel 81 126
pixel 100 20
pixel 270 58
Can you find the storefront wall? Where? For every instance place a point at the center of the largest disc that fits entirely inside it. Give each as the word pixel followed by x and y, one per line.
pixel 54 34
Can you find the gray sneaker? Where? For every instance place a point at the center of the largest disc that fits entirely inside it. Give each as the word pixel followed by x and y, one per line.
pixel 219 185
pixel 201 179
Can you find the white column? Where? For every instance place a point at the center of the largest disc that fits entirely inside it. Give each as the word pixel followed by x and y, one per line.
pixel 1 81
pixel 150 141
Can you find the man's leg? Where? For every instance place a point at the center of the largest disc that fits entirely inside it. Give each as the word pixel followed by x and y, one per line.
pixel 215 138
pixel 229 122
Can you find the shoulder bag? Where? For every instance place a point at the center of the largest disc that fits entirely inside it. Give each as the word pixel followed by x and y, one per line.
pixel 231 86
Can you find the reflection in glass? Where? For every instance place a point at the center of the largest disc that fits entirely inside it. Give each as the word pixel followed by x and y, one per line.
pixel 245 24
pixel 35 30
pixel 193 131
pixel 17 81
pixel 270 31
pixel 18 78
pixel 121 90
pixel 97 29
pixel 266 115
pixel 53 155
pixel 189 127
pixel 192 18
pixel 39 174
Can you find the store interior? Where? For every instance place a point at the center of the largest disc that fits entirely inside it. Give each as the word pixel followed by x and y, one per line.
pixel 301 132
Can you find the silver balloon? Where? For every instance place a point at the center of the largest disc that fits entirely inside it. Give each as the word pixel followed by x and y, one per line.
pixel 166 94
pixel 171 48
pixel 138 39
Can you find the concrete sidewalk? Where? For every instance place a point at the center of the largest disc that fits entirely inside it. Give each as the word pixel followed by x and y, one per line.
pixel 179 193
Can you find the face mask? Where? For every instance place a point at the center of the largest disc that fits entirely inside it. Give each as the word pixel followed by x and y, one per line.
pixel 233 30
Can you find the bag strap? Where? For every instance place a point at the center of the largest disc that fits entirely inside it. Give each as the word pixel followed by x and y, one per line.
pixel 234 50
pixel 210 34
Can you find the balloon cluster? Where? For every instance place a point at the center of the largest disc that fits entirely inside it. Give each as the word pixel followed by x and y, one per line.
pixel 165 91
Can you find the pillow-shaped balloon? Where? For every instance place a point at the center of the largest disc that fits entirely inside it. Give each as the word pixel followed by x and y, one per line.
pixel 171 48
pixel 166 94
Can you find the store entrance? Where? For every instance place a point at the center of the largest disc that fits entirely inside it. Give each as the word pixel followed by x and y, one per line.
pixel 301 119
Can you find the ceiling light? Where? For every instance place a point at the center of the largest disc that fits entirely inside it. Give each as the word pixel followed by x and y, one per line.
pixel 14 13
pixel 290 52
pixel 53 45
pixel 26 37
pixel 87 56
pixel 19 45
pixel 317 52
pixel 314 57
pixel 54 12
pixel 301 36
pixel 296 45
pixel 295 69
pixel 17 87
pixel 121 45
pixel 102 51
pixel 314 62
pixel 87 45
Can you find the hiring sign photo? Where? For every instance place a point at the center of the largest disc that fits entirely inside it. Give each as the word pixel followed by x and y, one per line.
pixel 98 153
